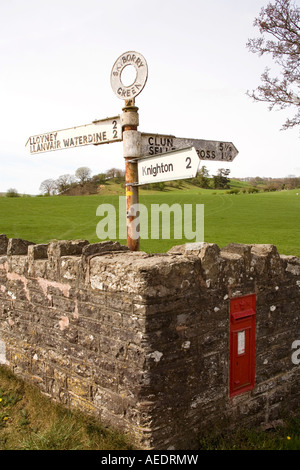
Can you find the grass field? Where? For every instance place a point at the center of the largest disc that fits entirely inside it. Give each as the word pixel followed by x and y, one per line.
pixel 271 217
pixel 30 421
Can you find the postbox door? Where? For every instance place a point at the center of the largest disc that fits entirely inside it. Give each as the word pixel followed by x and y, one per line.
pixel 242 344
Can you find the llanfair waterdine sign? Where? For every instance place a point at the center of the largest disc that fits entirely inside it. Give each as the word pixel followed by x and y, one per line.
pixel 99 132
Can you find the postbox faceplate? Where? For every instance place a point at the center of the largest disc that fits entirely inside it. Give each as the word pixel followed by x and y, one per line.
pixel 242 344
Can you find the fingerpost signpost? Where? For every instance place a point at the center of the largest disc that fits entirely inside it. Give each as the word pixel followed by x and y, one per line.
pixel 149 158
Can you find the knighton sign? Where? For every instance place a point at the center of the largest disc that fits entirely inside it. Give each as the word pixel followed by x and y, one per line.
pixel 99 132
pixel 179 164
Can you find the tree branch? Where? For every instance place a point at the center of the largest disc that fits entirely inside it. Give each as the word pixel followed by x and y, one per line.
pixel 281 21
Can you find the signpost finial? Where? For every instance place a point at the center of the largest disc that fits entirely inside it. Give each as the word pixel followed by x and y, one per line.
pixel 133 59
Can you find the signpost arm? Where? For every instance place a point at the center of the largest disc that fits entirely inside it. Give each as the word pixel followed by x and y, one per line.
pixel 131 152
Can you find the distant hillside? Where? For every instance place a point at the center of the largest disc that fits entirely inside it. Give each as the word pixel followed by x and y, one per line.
pixel 116 186
pixel 112 182
pixel 83 189
pixel 111 186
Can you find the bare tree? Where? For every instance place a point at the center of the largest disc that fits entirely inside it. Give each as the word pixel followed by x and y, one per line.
pixel 48 187
pixel 83 174
pixel 64 182
pixel 279 26
pixel 115 173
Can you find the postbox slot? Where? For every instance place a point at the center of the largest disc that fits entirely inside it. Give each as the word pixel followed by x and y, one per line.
pixel 242 314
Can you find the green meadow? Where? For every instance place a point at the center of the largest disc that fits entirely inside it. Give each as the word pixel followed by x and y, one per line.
pixel 264 217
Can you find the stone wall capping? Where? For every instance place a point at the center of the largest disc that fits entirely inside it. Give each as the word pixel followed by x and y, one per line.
pixel 101 247
pixel 66 247
pixel 38 251
pixel 229 255
pixel 17 246
pixel 264 249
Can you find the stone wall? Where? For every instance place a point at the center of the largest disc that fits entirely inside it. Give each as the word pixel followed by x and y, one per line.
pixel 142 341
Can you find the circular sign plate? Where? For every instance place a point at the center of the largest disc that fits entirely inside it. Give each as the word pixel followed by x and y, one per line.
pixel 133 59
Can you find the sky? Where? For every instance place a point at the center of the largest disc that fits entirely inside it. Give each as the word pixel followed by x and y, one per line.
pixel 55 63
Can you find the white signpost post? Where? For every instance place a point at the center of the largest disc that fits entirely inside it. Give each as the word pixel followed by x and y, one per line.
pixel 149 158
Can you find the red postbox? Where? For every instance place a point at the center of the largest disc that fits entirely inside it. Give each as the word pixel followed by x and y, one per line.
pixel 242 344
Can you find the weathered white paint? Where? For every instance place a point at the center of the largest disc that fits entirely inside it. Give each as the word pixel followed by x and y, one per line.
pixel 132 144
pixel 179 164
pixel 129 59
pixel 215 150
pixel 98 132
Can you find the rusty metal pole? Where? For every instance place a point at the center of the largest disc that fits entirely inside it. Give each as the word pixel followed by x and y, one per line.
pixel 131 152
